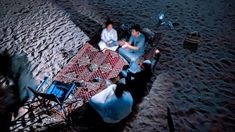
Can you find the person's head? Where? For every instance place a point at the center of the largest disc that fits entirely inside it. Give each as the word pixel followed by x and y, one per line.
pixel 146 69
pixel 119 89
pixel 135 29
pixel 109 25
pixel 146 66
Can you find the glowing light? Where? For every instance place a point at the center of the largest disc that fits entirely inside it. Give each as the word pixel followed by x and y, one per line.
pixel 161 16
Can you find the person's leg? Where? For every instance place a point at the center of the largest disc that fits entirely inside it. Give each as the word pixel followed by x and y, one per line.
pixel 128 54
pixel 135 56
pixel 102 45
pixel 134 67
pixel 113 47
pixel 123 52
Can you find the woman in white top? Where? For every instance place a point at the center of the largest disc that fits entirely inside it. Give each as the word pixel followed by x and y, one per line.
pixel 108 38
pixel 113 103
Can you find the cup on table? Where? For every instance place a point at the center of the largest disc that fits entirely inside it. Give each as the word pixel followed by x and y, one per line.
pixel 97 79
pixel 81 83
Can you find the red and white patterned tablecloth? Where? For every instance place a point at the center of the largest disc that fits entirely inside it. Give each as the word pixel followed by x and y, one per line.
pixel 109 65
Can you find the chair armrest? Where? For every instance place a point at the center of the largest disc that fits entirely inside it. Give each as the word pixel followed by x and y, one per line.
pixel 73 86
pixel 42 84
pixel 33 91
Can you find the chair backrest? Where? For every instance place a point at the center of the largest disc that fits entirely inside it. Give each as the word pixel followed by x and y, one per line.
pixel 60 90
pixel 56 90
pixel 44 95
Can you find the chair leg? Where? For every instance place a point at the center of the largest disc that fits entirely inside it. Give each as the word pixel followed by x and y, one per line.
pixel 76 100
pixel 29 116
pixel 66 117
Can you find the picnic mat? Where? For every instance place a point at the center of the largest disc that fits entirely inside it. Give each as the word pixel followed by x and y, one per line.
pixel 108 65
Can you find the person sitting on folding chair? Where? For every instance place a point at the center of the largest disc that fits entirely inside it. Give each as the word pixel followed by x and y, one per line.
pixel 108 38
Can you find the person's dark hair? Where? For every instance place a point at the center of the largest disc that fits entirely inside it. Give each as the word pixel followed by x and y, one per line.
pixel 147 67
pixel 119 89
pixel 136 27
pixel 108 23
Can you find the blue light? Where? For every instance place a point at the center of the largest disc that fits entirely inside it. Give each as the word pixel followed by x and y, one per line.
pixel 161 16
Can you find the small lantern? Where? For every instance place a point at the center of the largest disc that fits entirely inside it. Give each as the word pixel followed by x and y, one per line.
pixel 161 18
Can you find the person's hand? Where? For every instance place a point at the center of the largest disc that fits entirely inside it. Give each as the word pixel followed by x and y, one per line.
pixel 104 50
pixel 125 46
pixel 121 42
pixel 109 42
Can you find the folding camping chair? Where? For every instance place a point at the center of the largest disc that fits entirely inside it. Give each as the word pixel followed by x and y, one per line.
pixel 41 104
pixel 57 92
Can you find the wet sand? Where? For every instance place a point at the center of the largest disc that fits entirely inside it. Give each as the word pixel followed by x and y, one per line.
pixel 198 87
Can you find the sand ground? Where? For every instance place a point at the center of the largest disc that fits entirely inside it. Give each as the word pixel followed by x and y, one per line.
pixel 198 87
pixel 42 31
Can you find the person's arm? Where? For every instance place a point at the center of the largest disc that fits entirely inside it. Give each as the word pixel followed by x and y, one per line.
pixel 115 36
pixel 132 47
pixel 131 40
pixel 127 44
pixel 139 45
pixel 103 38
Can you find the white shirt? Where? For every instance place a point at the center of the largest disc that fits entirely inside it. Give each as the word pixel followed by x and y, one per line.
pixel 111 108
pixel 109 35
